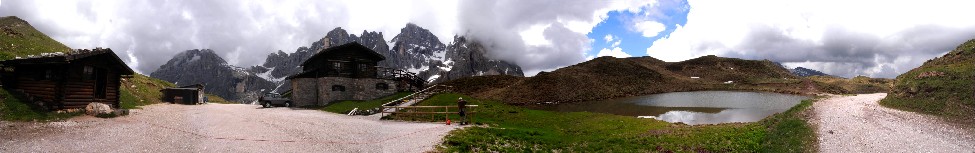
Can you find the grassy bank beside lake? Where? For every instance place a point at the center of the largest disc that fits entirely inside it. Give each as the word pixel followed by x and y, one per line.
pixel 515 129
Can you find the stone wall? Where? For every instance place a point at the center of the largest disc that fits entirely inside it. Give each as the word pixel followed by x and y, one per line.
pixel 330 89
pixel 303 91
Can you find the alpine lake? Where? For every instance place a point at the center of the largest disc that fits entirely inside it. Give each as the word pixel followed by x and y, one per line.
pixel 692 108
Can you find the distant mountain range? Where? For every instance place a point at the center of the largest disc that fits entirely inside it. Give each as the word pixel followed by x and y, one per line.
pixel 415 49
pixel 804 72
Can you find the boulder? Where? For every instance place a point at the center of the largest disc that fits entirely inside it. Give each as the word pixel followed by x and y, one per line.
pixel 98 108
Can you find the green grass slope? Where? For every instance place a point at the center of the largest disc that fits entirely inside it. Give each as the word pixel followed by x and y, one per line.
pixel 19 38
pixel 141 90
pixel 942 86
pixel 346 106
pixel 517 129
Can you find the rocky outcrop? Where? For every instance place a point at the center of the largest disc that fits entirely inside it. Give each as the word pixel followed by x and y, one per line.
pixel 221 79
pixel 98 109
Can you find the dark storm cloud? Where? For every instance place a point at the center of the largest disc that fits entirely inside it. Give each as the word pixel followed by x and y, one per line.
pixel 147 33
pixel 848 53
pixel 497 24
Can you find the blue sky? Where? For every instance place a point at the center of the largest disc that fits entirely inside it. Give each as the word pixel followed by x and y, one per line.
pixel 620 25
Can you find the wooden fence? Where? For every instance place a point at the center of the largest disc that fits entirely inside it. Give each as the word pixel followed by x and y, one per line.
pixel 431 110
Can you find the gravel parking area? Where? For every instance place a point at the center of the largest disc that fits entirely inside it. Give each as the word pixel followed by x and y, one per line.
pixel 222 128
pixel 860 124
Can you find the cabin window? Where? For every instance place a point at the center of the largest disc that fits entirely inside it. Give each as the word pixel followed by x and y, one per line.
pixel 338 88
pixel 48 74
pixel 363 67
pixel 36 75
pixel 337 66
pixel 89 73
pixel 382 86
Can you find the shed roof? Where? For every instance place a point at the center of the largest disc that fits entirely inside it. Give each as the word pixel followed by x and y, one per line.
pixel 61 58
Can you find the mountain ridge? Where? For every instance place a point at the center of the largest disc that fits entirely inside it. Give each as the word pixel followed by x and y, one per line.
pixel 610 77
pixel 415 49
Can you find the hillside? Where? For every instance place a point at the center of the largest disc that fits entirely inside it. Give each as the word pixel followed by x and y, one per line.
pixel 142 90
pixel 21 39
pixel 608 77
pixel 942 86
pixel 855 85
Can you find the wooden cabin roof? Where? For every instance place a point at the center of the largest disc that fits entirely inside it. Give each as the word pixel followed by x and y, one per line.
pixel 194 86
pixel 352 46
pixel 75 55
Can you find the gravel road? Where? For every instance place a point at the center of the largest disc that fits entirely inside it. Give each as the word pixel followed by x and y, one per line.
pixel 222 128
pixel 860 124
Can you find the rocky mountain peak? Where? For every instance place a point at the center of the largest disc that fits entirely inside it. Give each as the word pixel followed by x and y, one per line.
pixel 804 72
pixel 415 49
pixel 416 40
pixel 196 55
pixel 204 66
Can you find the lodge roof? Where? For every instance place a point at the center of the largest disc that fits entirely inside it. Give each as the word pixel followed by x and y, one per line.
pixel 193 86
pixel 348 46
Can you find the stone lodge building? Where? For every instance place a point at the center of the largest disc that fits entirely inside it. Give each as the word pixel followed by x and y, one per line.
pixel 344 72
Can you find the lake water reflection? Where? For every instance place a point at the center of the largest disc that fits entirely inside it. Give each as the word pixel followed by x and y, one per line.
pixel 698 107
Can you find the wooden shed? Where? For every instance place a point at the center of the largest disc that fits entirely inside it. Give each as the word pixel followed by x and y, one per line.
pixel 190 95
pixel 63 81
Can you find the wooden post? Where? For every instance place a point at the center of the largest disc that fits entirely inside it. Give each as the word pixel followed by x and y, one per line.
pixel 472 116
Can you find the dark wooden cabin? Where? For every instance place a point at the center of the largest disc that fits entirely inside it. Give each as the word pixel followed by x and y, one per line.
pixel 190 95
pixel 64 81
pixel 351 60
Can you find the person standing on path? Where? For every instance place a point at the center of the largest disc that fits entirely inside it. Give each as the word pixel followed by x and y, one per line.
pixel 461 110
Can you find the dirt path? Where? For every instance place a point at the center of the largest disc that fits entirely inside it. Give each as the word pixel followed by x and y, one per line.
pixel 860 124
pixel 222 128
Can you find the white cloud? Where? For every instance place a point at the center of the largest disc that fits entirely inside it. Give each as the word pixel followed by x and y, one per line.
pixel 537 35
pixel 649 28
pixel 615 52
pixel 608 38
pixel 846 38
pixel 243 32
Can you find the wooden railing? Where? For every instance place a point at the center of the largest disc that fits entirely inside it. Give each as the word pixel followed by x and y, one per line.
pixel 413 95
pixel 431 110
